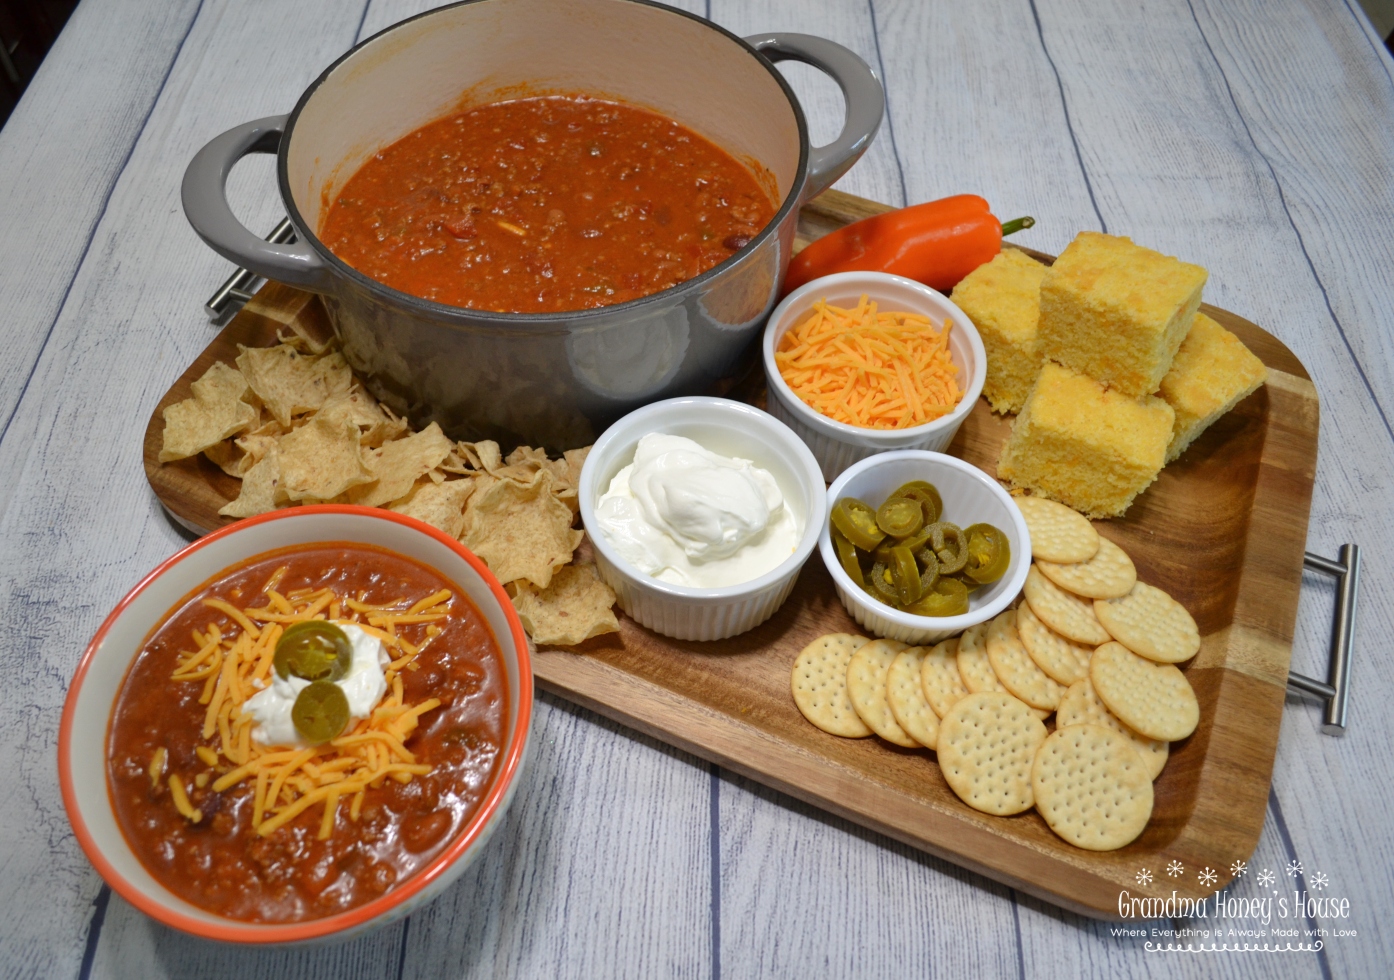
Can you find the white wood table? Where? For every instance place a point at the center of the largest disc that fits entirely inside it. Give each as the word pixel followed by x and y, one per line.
pixel 1253 136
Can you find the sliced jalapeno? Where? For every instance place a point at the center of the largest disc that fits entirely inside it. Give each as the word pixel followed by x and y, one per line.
pixel 320 712
pixel 949 545
pixel 927 496
pixel 900 517
pixel 929 566
pixel 989 553
pixel 847 555
pixel 949 597
pixel 857 522
pixel 315 650
pixel 914 542
pixel 905 574
pixel 881 584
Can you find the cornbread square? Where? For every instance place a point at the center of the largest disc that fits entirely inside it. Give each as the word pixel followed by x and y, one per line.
pixel 1213 371
pixel 1087 446
pixel 1003 299
pixel 1117 311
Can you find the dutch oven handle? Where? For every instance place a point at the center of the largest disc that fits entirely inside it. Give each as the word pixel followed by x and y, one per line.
pixel 866 101
pixel 206 206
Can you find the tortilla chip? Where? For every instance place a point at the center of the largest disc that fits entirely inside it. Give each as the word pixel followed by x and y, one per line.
pixel 220 408
pixel 289 382
pixel 482 482
pixel 575 459
pixel 455 462
pixel 301 339
pixel 526 454
pixel 257 443
pixel 321 460
pixel 229 457
pixel 575 607
pixel 261 489
pixel 481 455
pixel 441 505
pixel 520 531
pixel 522 465
pixel 376 425
pixel 399 464
pixel 236 457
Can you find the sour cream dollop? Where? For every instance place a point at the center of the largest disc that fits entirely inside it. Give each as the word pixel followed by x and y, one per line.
pixel 689 516
pixel 363 685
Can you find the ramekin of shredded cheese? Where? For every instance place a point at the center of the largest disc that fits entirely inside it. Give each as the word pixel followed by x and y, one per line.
pixel 864 362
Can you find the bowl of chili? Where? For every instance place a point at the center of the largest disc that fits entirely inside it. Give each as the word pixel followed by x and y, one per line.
pixel 529 217
pixel 837 444
pixel 967 496
pixel 194 814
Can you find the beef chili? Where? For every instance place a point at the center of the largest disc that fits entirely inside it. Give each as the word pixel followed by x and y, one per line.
pixel 409 778
pixel 545 204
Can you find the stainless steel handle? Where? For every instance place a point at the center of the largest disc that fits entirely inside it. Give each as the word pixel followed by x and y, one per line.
pixel 1335 690
pixel 238 288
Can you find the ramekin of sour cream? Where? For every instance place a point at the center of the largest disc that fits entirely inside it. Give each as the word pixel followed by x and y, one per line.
pixel 701 512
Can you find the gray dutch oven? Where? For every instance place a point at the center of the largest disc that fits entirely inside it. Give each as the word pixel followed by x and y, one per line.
pixel 554 379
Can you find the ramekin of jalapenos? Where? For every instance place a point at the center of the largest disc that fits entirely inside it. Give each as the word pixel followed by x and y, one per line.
pixel 921 545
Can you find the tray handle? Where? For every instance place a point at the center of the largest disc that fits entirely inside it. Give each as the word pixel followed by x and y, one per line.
pixel 1335 690
pixel 237 290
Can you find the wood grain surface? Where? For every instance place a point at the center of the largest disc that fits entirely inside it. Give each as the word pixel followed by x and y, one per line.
pixel 1253 137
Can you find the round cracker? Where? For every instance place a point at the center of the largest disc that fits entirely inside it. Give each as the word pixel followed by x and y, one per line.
pixel 939 676
pixel 987 744
pixel 1057 532
pixel 973 665
pixel 1064 660
pixel 1150 623
pixel 1152 699
pixel 976 669
pixel 905 695
pixel 1067 614
pixel 1091 787
pixel 819 683
pixel 1107 575
pixel 1081 706
pixel 1015 668
pixel 866 687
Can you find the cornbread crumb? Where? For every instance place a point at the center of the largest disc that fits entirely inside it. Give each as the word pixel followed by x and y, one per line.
pixel 1117 311
pixel 1003 299
pixel 1087 446
pixel 1213 371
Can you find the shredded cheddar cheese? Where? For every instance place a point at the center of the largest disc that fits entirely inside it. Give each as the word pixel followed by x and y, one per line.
pixel 869 368
pixel 157 766
pixel 181 801
pixel 287 781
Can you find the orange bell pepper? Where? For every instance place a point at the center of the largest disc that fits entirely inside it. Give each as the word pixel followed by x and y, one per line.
pixel 936 243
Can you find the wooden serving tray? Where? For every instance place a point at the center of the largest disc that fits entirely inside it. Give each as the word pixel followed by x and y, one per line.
pixel 1223 530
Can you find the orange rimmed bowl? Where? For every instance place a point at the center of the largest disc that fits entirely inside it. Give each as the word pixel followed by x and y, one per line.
pixel 87 713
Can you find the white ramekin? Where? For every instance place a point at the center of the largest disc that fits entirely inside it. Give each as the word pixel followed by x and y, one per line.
pixel 731 429
pixel 837 445
pixel 970 497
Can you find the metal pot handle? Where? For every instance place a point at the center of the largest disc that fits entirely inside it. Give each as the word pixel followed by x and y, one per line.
pixel 205 205
pixel 866 101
